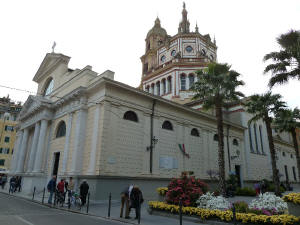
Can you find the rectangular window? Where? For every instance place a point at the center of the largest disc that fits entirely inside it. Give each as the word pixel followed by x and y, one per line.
pixel 1 150
pixel 6 139
pixel 6 151
pixel 286 172
pixel 5 127
pixel 9 128
pixel 294 173
pixel 2 161
pixel 250 138
pixel 261 140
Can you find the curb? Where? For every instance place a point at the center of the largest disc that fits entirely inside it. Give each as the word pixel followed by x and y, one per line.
pixel 69 210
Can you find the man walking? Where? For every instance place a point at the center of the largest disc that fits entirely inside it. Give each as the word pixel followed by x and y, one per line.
pixel 51 188
pixel 84 190
pixel 125 197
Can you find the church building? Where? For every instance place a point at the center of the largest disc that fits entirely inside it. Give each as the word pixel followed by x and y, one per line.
pixel 86 125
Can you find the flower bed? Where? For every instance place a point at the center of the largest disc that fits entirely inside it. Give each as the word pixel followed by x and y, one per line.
pixel 225 215
pixel 292 197
pixel 293 201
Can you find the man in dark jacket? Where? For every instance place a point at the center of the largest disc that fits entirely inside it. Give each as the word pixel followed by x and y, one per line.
pixel 136 199
pixel 12 185
pixel 84 190
pixel 51 188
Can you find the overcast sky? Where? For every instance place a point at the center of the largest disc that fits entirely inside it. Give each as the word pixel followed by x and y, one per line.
pixel 111 35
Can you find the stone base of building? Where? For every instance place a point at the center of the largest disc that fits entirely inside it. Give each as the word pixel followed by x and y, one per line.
pixel 102 186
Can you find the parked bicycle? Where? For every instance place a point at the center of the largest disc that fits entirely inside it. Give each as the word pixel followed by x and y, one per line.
pixel 75 200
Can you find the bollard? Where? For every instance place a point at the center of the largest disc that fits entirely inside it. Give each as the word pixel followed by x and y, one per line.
pixel 109 205
pixel 139 210
pixel 180 211
pixel 33 193
pixel 88 204
pixel 233 214
pixel 54 203
pixel 43 195
pixel 69 200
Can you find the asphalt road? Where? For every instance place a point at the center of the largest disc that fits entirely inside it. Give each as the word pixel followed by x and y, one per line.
pixel 17 211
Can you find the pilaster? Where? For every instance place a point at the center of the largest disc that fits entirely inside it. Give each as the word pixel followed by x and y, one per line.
pixel 22 153
pixel 40 147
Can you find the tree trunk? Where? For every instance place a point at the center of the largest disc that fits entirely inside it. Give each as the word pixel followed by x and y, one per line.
pixel 276 181
pixel 296 151
pixel 221 160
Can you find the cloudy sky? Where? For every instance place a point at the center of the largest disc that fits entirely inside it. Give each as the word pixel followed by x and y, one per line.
pixel 111 35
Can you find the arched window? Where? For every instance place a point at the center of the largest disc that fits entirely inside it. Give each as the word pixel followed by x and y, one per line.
pixel 173 52
pixel 167 125
pixel 48 87
pixel 152 88
pixel 163 58
pixel 216 137
pixel 148 88
pixel 61 129
pixel 235 142
pixel 195 132
pixel 283 153
pixel 170 84
pixel 191 80
pixel 158 88
pixel 203 52
pixel 130 115
pixel 164 89
pixel 182 82
pixel 211 57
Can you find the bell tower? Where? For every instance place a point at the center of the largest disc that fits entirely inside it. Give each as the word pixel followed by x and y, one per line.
pixel 170 62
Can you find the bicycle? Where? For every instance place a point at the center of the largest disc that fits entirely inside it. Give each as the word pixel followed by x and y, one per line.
pixel 60 198
pixel 75 200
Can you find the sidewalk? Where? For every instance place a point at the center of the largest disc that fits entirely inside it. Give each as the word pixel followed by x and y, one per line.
pixel 101 209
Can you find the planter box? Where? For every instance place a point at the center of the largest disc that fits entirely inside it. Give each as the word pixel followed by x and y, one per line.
pixel 294 209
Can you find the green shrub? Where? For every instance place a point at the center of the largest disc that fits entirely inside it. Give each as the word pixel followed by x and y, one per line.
pixel 271 188
pixel 241 207
pixel 245 191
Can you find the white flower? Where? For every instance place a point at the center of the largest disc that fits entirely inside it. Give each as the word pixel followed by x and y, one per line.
pixel 268 201
pixel 209 201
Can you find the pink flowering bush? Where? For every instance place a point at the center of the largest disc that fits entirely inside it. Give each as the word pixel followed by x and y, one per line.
pixel 187 188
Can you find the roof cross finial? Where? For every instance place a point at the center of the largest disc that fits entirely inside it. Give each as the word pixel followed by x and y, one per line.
pixel 184 5
pixel 53 46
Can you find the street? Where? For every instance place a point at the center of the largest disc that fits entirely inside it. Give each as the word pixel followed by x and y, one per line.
pixel 17 211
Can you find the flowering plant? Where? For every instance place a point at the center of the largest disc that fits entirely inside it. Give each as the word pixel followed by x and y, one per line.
pixel 162 191
pixel 209 201
pixel 187 188
pixel 292 197
pixel 270 202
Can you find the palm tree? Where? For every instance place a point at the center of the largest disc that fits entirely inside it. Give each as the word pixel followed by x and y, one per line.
pixel 262 107
pixel 288 120
pixel 216 86
pixel 286 62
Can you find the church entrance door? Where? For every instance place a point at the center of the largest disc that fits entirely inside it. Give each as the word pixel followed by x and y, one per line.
pixel 56 163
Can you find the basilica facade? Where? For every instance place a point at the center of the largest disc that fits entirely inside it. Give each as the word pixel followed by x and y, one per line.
pixel 88 126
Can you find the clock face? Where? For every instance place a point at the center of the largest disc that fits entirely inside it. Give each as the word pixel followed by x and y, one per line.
pixel 163 58
pixel 173 53
pixel 189 48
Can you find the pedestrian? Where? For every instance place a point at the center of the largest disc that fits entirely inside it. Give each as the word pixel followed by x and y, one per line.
pixel 19 183
pixel 136 199
pixel 70 187
pixel 12 185
pixel 4 180
pixel 84 190
pixel 51 188
pixel 257 188
pixel 125 201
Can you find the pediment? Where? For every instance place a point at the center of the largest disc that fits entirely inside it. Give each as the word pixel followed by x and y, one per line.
pixel 50 62
pixel 32 104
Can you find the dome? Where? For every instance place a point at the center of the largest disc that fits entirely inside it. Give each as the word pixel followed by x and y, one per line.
pixel 157 29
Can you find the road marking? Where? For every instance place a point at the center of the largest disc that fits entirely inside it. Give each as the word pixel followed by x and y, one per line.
pixel 23 220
